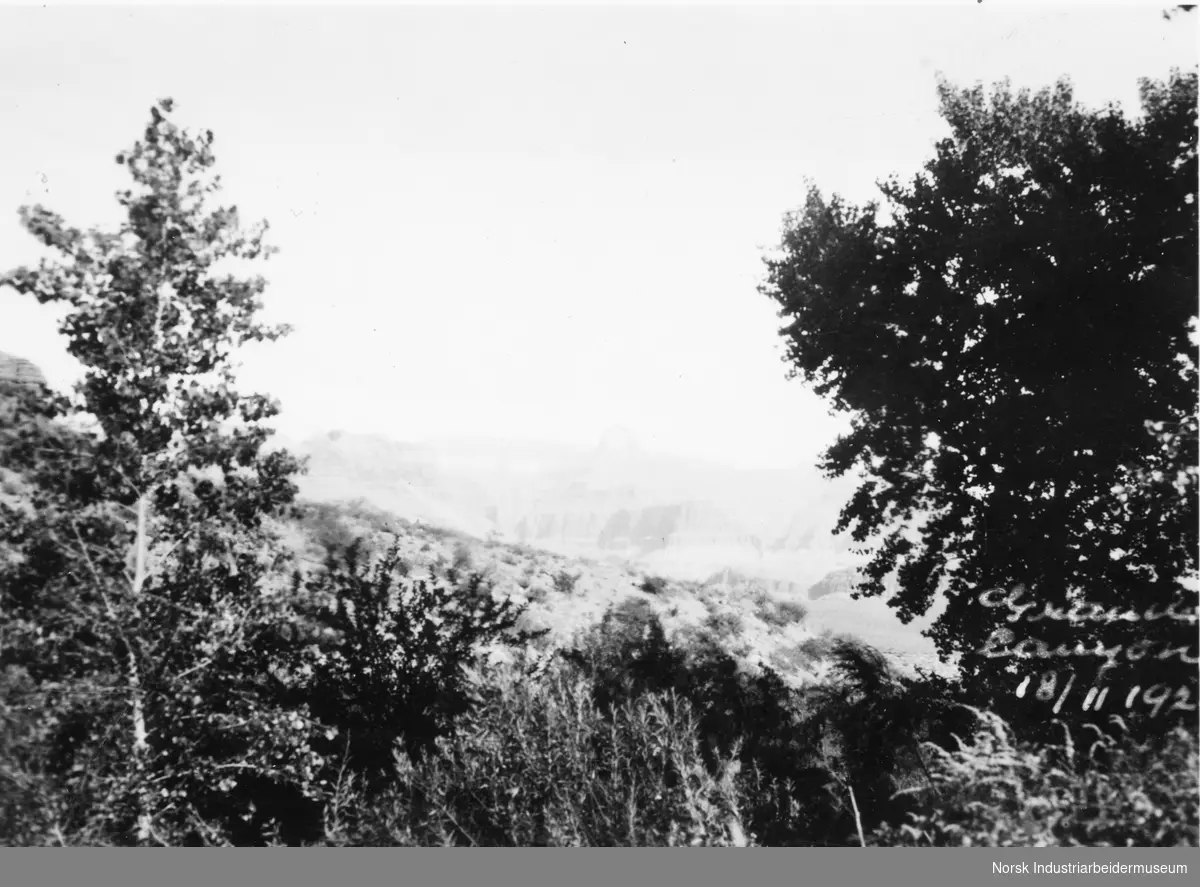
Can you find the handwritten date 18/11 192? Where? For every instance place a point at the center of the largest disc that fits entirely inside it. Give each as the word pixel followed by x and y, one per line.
pixel 1097 698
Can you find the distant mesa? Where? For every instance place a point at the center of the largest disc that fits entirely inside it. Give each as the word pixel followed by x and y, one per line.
pixel 19 371
pixel 838 582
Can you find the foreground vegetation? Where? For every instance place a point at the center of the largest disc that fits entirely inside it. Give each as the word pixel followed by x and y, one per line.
pixel 189 656
pixel 410 725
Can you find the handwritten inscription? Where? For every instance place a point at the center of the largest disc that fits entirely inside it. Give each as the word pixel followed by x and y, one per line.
pixel 1097 698
pixel 1003 642
pixel 1080 611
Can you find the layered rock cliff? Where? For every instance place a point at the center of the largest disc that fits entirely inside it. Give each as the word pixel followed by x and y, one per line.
pixel 613 500
pixel 19 371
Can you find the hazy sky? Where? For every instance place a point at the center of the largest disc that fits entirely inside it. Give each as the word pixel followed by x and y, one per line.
pixel 526 222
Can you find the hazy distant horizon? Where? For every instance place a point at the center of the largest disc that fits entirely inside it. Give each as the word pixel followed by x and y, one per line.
pixel 482 438
pixel 522 223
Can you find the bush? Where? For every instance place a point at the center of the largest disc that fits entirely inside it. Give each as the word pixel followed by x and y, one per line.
pixel 725 624
pixel 327 525
pixel 539 764
pixel 754 718
pixel 818 648
pixel 654 585
pixel 460 563
pixel 995 792
pixel 391 663
pixel 782 613
pixel 627 654
pixel 335 525
pixel 564 582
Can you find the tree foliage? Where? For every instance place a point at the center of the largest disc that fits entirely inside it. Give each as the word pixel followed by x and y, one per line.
pixel 1012 333
pixel 392 655
pixel 144 567
pixel 171 673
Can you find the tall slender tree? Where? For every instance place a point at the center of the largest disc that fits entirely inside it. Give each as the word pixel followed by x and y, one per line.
pixel 149 564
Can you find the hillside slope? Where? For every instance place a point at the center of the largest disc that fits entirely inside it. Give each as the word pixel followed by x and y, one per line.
pixel 757 622
pixel 615 503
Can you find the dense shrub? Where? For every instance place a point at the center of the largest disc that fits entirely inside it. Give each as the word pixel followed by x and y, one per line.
pixel 654 585
pixel 564 581
pixel 782 613
pixel 753 717
pixel 726 625
pixel 389 662
pixel 334 526
pixel 810 653
pixel 997 792
pixel 539 764
pixel 627 654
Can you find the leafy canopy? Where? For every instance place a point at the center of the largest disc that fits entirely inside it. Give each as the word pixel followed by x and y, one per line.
pixel 1012 333
pixel 145 575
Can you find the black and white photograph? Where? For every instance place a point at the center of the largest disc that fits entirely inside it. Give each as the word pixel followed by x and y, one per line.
pixel 612 425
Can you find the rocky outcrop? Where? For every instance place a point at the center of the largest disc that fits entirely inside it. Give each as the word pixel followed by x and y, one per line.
pixel 19 371
pixel 734 580
pixel 679 525
pixel 559 528
pixel 843 582
pixel 811 529
pixel 838 582
pixel 19 378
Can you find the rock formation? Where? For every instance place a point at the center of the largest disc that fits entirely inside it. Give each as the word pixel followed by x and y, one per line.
pixel 19 371
pixel 18 377
pixel 843 582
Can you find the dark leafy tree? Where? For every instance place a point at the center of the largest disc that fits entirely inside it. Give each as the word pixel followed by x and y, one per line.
pixel 389 658
pixel 147 565
pixel 1013 334
pixel 870 723
pixel 627 654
